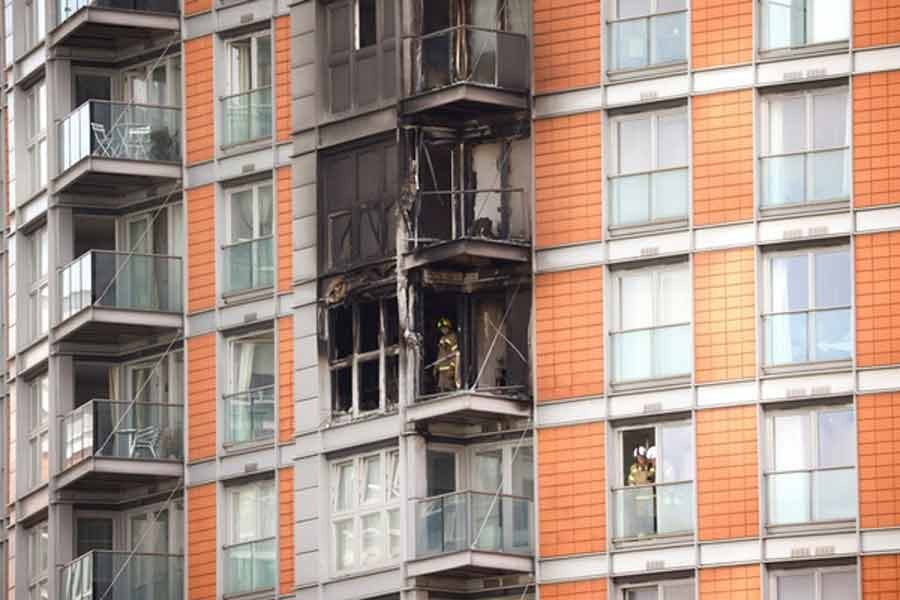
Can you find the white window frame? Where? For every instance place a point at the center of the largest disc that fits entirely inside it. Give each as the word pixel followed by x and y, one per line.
pixel 38 429
pixel 614 18
pixel 615 172
pixel 263 519
pixel 356 358
pixel 39 256
pixel 812 414
pixel 232 384
pixel 388 504
pixel 811 308
pixel 809 9
pixel 36 136
pixel 809 148
pixel 661 587
pixel 817 573
pixel 38 573
pixel 254 38
pixel 256 225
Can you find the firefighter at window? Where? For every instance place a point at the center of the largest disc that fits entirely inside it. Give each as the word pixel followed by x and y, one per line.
pixel 642 518
pixel 642 469
pixel 446 367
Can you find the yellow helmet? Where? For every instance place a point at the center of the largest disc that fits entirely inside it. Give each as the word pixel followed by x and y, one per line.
pixel 444 322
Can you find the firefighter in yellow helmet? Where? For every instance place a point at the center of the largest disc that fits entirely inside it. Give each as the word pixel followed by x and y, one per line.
pixel 446 367
pixel 642 469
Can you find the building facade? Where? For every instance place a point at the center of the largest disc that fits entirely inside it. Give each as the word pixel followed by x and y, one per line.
pixel 450 299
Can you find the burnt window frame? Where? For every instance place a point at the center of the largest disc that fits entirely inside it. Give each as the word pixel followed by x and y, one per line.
pixel 358 356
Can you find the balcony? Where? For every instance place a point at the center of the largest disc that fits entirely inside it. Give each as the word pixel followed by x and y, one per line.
pixel 113 148
pixel 473 532
pixel 250 567
pixel 113 24
pixel 250 416
pixel 117 298
pixel 467 70
pixel 660 512
pixel 247 116
pixel 121 443
pixel 102 575
pixel 470 228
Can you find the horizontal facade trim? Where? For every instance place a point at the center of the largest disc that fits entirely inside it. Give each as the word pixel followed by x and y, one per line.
pixel 236 165
pixel 573 568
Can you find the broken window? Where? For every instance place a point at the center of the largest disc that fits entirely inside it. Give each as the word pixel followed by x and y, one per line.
pixel 363 356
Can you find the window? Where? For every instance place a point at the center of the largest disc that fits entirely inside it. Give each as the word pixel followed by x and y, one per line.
pixel 654 493
pixel 247 107
pixel 648 33
pixel 250 550
pixel 649 168
pixel 38 294
pixel 38 430
pixel 790 24
pixel 810 466
pixel 36 123
pixel 668 590
pixel 366 23
pixel 651 338
pixel 249 251
pixel 823 583
pixel 365 512
pixel 363 357
pixel 38 562
pixel 250 403
pixel 35 22
pixel 805 156
pixel 807 307
pixel 156 83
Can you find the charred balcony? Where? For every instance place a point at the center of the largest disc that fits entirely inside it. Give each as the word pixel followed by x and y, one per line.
pixel 113 24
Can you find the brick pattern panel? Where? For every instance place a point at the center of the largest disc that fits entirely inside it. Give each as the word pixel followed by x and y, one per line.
pixel 193 7
pixel 201 396
pixel 283 78
pixel 878 443
pixel 201 542
pixel 730 583
pixel 727 485
pixel 201 248
pixel 198 96
pixel 875 22
pixel 568 185
pixel 876 139
pixel 725 314
pixel 723 157
pixel 878 299
pixel 881 577
pixel 286 379
pixel 721 32
pixel 570 489
pixel 568 334
pixel 286 530
pixel 591 589
pixel 285 210
pixel 566 42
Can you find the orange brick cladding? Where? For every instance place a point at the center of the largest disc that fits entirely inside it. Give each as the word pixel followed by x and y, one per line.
pixel 193 7
pixel 878 299
pixel 566 44
pixel 285 379
pixel 730 583
pixel 727 487
pixel 198 96
pixel 721 32
pixel 725 314
pixel 875 22
pixel 568 322
pixel 201 396
pixel 567 172
pixel 881 577
pixel 201 248
pixel 570 489
pixel 285 230
pixel 286 529
pixel 283 78
pixel 592 589
pixel 876 143
pixel 201 542
pixel 723 157
pixel 878 443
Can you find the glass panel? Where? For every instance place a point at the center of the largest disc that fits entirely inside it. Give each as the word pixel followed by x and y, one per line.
pixel 837 438
pixel 675 508
pixel 829 120
pixel 783 180
pixel 671 351
pixel 247 116
pixel 372 492
pixel 440 472
pixel 343 544
pixel 631 200
pixel 632 8
pixel 839 585
pixel 789 498
pixel 635 512
pixel 783 23
pixel 790 283
pixel 372 540
pixel 345 496
pixel 249 265
pixel 647 593
pixel 833 335
pixel 829 21
pixel 677 462
pixel 668 35
pixel 630 44
pixel 787 124
pixel 670 195
pixel 630 355
pixel 832 278
pixel 792 442
pixel 673 298
pixel 394 533
pixel 636 293
pixel 830 174
pixel 488 471
pixel 672 147
pixel 634 145
pixel 796 587
pixel 678 592
pixel 834 495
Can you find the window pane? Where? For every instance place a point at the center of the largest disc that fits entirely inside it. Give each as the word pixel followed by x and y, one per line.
pixel 345 494
pixel 787 124
pixel 369 387
pixel 634 145
pixel 667 33
pixel 670 195
pixel 440 472
pixel 678 455
pixel 783 180
pixel 829 21
pixel 393 475
pixel 675 508
pixel 786 339
pixel 373 492
pixel 829 120
pixel 671 351
pixel 790 290
pixel 783 23
pixel 789 499
pixel 791 443
pixel 830 174
pixel 341 390
pixel 264 198
pixel 674 297
pixel 241 216
pixel 632 8
pixel 833 335
pixel 631 355
pixel 837 438
pixel 648 593
pixel 394 533
pixel 839 586
pixel 678 592
pixel 343 544
pixel 832 278
pixel 367 34
pixel 630 44
pixel 631 200
pixel 488 470
pixel 268 509
pixel 340 332
pixel 263 61
pixel 636 300
pixel 372 540
pixel 672 149
pixel 834 495
pixel 796 587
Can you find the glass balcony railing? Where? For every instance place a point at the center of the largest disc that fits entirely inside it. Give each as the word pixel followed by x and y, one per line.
pixel 649 41
pixel 805 178
pixel 102 575
pixel 250 415
pixel 144 282
pixel 250 567
pixel 120 131
pixel 474 520
pixel 247 116
pixel 132 430
pixel 808 336
pixel 467 54
pixel 500 214
pixel 647 198
pixel 654 510
pixel 651 353
pixel 249 265
pixel 811 496
pixel 67 8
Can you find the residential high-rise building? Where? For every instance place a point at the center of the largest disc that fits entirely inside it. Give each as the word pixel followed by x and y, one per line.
pixel 450 300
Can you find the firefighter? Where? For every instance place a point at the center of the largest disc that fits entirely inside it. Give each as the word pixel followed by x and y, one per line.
pixel 642 470
pixel 642 519
pixel 446 367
